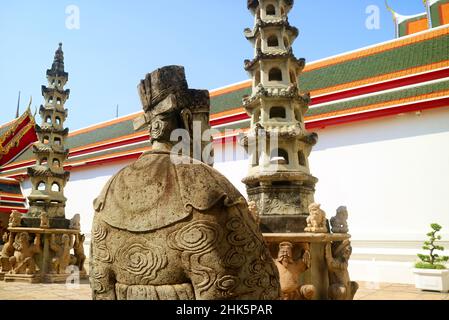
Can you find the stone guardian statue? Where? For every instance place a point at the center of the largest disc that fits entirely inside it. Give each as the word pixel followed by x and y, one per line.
pixel 340 285
pixel 169 227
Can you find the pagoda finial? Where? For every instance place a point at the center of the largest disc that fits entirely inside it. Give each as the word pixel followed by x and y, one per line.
pixel 57 68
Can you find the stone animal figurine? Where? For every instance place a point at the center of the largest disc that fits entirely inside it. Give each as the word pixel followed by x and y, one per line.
pixel 75 222
pixel 339 223
pixel 45 220
pixel 15 219
pixel 290 271
pixel 169 227
pixel 252 207
pixel 316 221
pixel 337 258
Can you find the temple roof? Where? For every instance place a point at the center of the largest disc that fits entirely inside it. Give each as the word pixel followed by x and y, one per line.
pixel 16 136
pixel 11 197
pixel 438 11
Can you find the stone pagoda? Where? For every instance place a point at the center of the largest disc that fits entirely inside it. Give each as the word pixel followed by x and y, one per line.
pixel 45 246
pixel 48 176
pixel 279 179
pixel 312 260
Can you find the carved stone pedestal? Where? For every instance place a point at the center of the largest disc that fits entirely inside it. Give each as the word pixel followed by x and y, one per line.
pixel 61 278
pixel 52 259
pixel 2 276
pixel 318 273
pixel 24 278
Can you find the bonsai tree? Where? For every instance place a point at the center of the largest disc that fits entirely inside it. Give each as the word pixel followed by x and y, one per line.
pixel 432 260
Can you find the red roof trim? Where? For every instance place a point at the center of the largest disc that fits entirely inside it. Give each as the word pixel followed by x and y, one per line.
pixel 417 106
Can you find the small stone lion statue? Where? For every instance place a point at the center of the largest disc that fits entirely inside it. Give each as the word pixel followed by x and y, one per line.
pixel 75 223
pixel 339 223
pixel 252 207
pixel 316 221
pixel 45 221
pixel 15 219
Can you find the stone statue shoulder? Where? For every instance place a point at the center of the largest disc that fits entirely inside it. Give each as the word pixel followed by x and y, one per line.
pixel 155 192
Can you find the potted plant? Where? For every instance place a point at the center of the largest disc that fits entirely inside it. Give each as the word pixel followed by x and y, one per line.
pixel 431 272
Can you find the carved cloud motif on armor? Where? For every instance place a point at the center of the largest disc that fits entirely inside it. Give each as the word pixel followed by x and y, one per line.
pixel 227 285
pixel 196 240
pixel 101 251
pixel 239 235
pixel 100 233
pixel 248 252
pixel 98 280
pixel 141 258
pixel 235 260
pixel 199 236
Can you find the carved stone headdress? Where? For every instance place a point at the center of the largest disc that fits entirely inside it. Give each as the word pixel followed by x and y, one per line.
pixel 165 91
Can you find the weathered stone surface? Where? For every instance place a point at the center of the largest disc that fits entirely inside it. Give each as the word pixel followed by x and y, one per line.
pixel 40 243
pixel 171 227
pixel 337 258
pixel 279 182
pixel 283 224
pixel 290 271
pixel 339 223
pixel 22 262
pixel 316 221
pixel 7 252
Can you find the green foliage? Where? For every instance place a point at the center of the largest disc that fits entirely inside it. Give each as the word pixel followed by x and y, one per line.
pixel 424 265
pixel 433 260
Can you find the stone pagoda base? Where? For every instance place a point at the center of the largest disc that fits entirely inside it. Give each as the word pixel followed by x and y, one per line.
pixel 318 273
pixel 45 256
pixel 61 278
pixel 283 224
pixel 282 199
pixel 24 278
pixel 54 223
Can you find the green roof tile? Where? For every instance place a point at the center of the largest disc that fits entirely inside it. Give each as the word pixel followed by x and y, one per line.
pixel 228 101
pixel 394 60
pixel 379 98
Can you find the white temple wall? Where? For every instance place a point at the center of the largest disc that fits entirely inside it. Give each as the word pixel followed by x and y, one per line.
pixel 391 173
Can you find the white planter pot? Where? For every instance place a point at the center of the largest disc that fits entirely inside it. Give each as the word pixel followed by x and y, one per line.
pixel 432 280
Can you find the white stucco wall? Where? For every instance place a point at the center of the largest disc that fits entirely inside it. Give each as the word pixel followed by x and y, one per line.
pixel 391 173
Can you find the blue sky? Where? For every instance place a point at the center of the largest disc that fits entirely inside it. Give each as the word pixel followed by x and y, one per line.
pixel 118 42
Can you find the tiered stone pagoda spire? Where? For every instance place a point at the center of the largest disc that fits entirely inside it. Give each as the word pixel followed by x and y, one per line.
pixel 48 176
pixel 51 247
pixel 279 179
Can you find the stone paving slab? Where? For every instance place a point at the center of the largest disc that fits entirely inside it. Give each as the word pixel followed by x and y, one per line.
pixel 367 291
